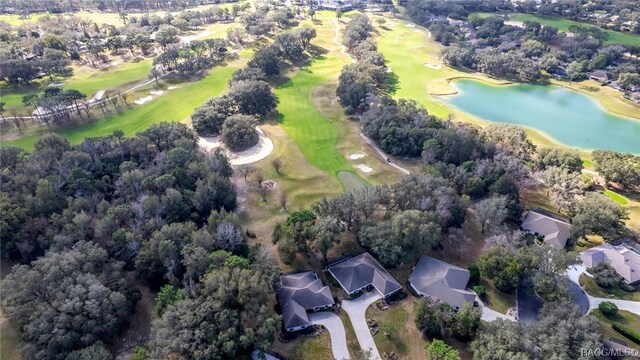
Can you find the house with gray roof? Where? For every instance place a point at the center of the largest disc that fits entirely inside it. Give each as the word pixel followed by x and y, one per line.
pixel 554 232
pixel 358 273
pixel 622 255
pixel 301 293
pixel 441 281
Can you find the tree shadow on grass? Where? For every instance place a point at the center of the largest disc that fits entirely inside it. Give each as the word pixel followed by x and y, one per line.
pixel 393 83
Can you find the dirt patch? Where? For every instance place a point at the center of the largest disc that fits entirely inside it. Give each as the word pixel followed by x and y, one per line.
pixel 269 184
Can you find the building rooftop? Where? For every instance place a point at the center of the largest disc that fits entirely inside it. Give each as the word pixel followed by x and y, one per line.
pixel 299 293
pixel 361 271
pixel 555 232
pixel 441 280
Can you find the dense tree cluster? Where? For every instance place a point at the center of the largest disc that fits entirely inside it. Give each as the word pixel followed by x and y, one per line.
pixel 368 75
pixel 561 332
pixel 60 6
pixel 418 211
pixel 152 205
pixel 67 300
pixel 439 320
pixel 623 169
pixel 526 53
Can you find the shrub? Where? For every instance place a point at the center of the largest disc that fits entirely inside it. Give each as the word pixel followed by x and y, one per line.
pixel 474 274
pixel 605 276
pixel 628 333
pixel 480 290
pixel 608 308
pixel 239 132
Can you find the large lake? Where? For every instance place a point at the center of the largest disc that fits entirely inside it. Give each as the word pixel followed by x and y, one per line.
pixel 571 118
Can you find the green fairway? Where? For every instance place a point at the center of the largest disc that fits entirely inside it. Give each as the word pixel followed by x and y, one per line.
pixel 175 105
pixel 315 135
pixel 90 81
pixel 615 197
pixel 615 37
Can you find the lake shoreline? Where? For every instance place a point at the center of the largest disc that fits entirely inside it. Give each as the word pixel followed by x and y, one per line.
pixel 605 129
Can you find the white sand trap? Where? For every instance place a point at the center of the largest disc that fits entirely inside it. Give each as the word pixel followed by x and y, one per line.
pixel 410 25
pixel 172 87
pixel 116 63
pixel 356 156
pixel 388 69
pixel 433 66
pixel 261 150
pixel 156 92
pixel 364 168
pixel 190 38
pixel 143 100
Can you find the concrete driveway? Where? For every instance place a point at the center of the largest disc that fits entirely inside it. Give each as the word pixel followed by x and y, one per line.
pixel 334 325
pixel 356 310
pixel 574 275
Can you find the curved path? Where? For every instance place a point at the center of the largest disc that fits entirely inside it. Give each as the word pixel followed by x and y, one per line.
pixel 356 310
pixel 334 325
pixel 382 154
pixel 574 273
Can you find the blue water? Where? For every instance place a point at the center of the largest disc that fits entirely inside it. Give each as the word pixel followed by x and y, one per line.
pixel 571 118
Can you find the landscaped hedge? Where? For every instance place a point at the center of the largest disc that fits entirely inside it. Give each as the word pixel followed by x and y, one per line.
pixel 628 333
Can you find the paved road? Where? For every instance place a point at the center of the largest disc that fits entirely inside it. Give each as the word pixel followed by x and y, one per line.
pixel 335 327
pixel 356 310
pixel 574 275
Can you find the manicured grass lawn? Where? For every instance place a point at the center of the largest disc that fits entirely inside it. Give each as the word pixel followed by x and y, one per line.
pixel 313 133
pixel 615 37
pixel 405 338
pixel 615 197
pixel 496 299
pixel 623 317
pixel 350 180
pixel 309 348
pixel 89 81
pixel 176 105
pixel 593 289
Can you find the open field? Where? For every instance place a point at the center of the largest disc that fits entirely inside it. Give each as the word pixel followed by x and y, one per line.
pixel 89 80
pixel 615 37
pixel 175 106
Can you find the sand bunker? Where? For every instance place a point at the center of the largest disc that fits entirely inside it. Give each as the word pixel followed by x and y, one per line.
pixel 388 69
pixel 143 100
pixel 261 150
pixel 356 156
pixel 410 25
pixel 364 168
pixel 172 87
pixel 156 92
pixel 433 66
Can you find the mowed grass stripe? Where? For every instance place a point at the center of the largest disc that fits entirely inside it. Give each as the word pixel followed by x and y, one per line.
pixel 174 105
pixel 315 135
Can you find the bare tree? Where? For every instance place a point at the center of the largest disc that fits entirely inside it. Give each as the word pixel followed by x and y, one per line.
pixel 259 176
pixel 263 191
pixel 277 164
pixel 283 200
pixel 246 170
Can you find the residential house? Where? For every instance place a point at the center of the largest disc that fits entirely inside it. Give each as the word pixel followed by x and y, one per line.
pixel 623 255
pixel 441 281
pixel 301 293
pixel 554 232
pixel 361 272
pixel 601 76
